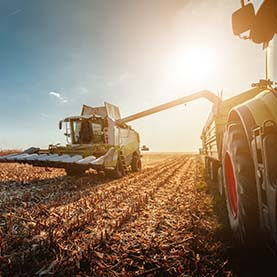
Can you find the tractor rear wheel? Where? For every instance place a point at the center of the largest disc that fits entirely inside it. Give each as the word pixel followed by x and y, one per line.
pixel 136 163
pixel 240 186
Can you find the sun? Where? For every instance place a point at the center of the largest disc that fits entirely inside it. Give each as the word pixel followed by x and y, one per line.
pixel 192 66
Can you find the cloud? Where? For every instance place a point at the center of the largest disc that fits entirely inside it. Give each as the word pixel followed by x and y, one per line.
pixel 59 96
pixel 14 12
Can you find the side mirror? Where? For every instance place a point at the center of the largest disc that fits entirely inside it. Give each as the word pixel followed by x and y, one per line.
pixel 265 23
pixel 243 19
pixel 60 125
pixel 145 148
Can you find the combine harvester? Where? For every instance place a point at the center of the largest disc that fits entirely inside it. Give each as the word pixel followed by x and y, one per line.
pixel 239 139
pixel 94 140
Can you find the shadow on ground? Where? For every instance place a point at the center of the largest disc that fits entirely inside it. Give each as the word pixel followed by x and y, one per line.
pixel 240 261
pixel 52 192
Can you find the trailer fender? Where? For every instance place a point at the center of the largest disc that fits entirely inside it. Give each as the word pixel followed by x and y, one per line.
pixel 254 112
pixel 245 117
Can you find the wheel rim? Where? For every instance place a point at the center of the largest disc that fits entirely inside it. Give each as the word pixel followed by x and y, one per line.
pixel 231 185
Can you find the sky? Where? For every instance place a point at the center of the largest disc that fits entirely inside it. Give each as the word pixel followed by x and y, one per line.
pixel 57 55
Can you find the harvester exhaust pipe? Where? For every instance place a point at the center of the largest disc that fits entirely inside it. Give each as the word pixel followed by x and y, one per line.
pixel 201 94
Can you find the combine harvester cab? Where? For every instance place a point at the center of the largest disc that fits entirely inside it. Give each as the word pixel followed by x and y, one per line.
pixel 94 140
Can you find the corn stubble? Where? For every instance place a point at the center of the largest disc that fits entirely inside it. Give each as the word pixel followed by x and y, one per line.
pixel 155 222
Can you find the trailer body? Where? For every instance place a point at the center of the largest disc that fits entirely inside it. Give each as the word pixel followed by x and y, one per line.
pixel 212 133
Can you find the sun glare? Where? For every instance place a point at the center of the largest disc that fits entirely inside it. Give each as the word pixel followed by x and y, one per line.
pixel 191 66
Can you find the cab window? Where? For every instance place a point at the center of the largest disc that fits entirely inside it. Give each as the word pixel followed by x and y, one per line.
pixel 97 132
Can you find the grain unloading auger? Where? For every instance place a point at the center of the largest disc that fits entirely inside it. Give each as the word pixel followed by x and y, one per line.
pixel 201 94
pixel 98 139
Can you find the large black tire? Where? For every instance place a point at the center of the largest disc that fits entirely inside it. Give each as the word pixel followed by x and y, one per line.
pixel 136 163
pixel 75 171
pixel 240 186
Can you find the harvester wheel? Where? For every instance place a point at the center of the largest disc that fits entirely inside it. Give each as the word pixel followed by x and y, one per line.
pixel 240 186
pixel 136 163
pixel 117 173
pixel 74 171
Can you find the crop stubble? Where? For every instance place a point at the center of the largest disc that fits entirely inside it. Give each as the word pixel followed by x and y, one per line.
pixel 153 222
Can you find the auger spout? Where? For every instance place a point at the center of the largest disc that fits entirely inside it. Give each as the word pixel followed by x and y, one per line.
pixel 201 94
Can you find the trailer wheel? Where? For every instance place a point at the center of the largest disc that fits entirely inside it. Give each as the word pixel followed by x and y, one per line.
pixel 214 170
pixel 240 186
pixel 207 167
pixel 136 163
pixel 220 181
pixel 74 171
pixel 211 173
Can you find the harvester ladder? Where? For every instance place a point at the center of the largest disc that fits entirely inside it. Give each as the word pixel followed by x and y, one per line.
pixel 123 163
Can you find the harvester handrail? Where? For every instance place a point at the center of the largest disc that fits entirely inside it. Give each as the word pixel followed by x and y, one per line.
pixel 200 94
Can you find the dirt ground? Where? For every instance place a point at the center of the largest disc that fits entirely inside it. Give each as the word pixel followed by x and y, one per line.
pixel 163 221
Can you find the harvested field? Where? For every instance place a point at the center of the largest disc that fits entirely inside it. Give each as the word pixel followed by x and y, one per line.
pixel 7 152
pixel 162 221
pixel 152 158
